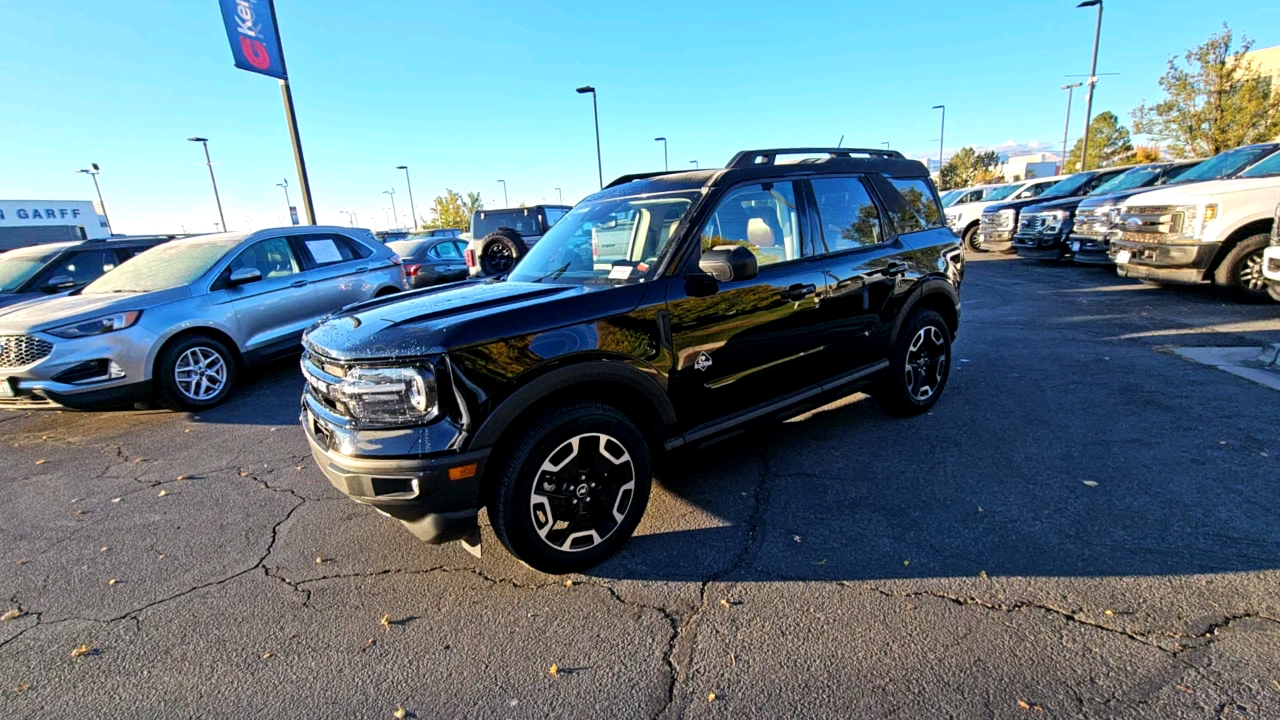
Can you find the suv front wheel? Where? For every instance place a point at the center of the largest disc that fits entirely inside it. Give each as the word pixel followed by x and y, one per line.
pixel 572 490
pixel 918 366
pixel 194 373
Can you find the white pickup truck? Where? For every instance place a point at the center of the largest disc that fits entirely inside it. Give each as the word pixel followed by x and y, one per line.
pixel 1271 259
pixel 964 218
pixel 1203 232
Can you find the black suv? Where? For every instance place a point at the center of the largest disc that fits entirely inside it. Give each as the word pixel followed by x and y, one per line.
pixel 39 271
pixel 664 312
pixel 499 238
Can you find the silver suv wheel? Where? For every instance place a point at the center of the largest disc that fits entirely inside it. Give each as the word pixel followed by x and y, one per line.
pixel 200 373
pixel 582 493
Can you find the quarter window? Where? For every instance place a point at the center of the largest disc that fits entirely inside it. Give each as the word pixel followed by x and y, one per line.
pixel 920 199
pixel 273 258
pixel 761 217
pixel 849 217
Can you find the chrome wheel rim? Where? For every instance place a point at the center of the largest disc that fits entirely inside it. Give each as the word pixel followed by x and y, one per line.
pixel 583 492
pixel 201 373
pixel 1251 277
pixel 926 364
pixel 499 256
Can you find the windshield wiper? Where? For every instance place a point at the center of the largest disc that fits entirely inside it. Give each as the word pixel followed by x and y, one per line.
pixel 557 272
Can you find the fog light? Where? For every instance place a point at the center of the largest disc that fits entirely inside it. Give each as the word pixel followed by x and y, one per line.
pixel 114 371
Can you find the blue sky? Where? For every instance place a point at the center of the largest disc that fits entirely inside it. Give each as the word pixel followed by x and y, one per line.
pixel 466 93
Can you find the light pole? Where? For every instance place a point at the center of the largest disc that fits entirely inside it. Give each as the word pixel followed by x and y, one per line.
pixel 560 194
pixel 214 180
pixel 595 111
pixel 695 164
pixel 943 137
pixel 351 217
pixel 288 205
pixel 386 217
pixel 93 173
pixel 1093 80
pixel 412 208
pixel 505 202
pixel 665 166
pixel 1071 89
pixel 394 214
pixel 885 144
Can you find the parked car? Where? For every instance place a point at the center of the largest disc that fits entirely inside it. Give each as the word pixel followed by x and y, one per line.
pixel 1209 232
pixel 1044 229
pixel 1094 226
pixel 978 193
pixel 501 237
pixel 40 271
pixel 431 260
pixel 1271 259
pixel 999 220
pixel 746 295
pixel 965 218
pixel 176 323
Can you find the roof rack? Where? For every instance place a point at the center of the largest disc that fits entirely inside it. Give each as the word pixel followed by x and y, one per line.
pixel 641 176
pixel 752 158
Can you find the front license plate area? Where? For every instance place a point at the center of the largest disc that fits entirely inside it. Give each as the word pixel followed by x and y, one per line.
pixel 1075 246
pixel 6 388
pixel 1123 257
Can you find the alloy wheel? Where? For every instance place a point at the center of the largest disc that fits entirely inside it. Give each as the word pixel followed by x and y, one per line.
pixel 500 257
pixel 1251 277
pixel 926 364
pixel 200 373
pixel 583 491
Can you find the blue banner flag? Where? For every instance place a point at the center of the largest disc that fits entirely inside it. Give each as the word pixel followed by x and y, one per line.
pixel 255 40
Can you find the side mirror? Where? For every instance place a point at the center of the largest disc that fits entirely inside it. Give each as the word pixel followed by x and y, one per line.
pixel 58 283
pixel 727 263
pixel 244 276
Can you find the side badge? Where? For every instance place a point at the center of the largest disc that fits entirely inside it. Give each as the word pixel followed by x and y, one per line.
pixel 703 362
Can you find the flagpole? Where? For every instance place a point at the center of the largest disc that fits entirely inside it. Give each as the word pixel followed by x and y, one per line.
pixel 291 117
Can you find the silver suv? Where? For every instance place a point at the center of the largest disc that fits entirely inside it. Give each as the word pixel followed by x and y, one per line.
pixel 175 323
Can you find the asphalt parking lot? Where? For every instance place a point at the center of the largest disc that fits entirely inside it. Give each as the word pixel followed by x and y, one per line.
pixel 1084 527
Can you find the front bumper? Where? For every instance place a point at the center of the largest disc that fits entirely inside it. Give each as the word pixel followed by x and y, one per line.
pixel 37 385
pixel 1090 249
pixel 1186 264
pixel 1039 247
pixel 416 490
pixel 996 240
pixel 1271 264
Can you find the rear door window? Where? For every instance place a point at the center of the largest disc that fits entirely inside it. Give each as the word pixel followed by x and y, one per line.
pixel 327 250
pixel 849 217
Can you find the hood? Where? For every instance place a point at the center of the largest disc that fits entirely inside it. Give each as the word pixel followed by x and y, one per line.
pixel 432 321
pixel 51 312
pixel 10 301
pixel 1069 204
pixel 1205 192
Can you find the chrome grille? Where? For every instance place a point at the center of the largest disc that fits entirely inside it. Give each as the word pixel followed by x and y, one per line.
pixel 22 350
pixel 321 377
pixel 1093 223
pixel 1032 223
pixel 991 222
pixel 1151 221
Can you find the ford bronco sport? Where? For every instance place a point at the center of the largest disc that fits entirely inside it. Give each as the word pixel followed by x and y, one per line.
pixel 740 296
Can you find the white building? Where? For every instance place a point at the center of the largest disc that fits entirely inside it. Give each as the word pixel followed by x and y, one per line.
pixel 1041 164
pixel 30 222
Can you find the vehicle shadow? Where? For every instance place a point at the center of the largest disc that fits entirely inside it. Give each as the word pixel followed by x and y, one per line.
pixel 269 394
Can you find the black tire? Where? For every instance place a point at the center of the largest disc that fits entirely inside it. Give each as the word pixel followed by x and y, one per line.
pixel 177 380
pixel 1240 272
pixel 500 251
pixel 972 242
pixel 1274 291
pixel 525 518
pixel 919 366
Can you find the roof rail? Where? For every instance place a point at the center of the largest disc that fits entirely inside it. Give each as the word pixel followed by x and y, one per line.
pixel 641 176
pixel 752 158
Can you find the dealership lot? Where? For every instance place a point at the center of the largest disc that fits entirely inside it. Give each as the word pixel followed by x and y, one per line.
pixel 1094 535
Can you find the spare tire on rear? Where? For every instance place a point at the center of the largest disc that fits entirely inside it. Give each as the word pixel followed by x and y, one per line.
pixel 500 250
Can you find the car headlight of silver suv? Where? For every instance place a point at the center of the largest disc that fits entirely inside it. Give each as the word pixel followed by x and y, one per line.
pixel 98 325
pixel 389 396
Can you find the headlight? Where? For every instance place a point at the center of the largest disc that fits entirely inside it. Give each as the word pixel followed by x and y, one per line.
pixel 1195 218
pixel 952 220
pixel 393 396
pixel 1054 221
pixel 98 326
pixel 1006 218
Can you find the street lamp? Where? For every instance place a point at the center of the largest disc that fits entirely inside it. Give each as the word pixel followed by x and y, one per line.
pixel 665 166
pixel 505 202
pixel 288 205
pixel 214 180
pixel 695 164
pixel 1093 80
pixel 386 217
pixel 943 137
pixel 885 144
pixel 93 173
pixel 1071 89
pixel 396 215
pixel 595 111
pixel 412 208
pixel 560 194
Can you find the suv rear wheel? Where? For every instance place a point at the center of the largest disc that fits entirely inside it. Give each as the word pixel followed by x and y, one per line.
pixel 918 367
pixel 500 250
pixel 194 373
pixel 572 489
pixel 972 241
pixel 1240 272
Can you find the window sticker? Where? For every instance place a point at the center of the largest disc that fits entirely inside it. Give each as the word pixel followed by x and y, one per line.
pixel 325 252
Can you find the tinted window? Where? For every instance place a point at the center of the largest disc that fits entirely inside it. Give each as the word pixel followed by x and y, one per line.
pixel 849 217
pixel 920 198
pixel 523 220
pixel 446 251
pixel 333 249
pixel 762 217
pixel 554 215
pixel 409 249
pixel 83 267
pixel 273 258
pixel 16 268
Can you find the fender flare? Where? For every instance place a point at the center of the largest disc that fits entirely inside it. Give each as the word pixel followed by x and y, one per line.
pixel 560 379
pixel 930 288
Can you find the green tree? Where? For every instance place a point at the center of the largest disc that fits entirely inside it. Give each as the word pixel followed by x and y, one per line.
pixel 452 210
pixel 1108 144
pixel 969 167
pixel 1217 102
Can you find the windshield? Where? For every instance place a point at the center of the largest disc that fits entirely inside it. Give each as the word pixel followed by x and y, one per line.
pixel 611 239
pixel 1135 178
pixel 1266 168
pixel 17 269
pixel 1001 193
pixel 410 249
pixel 161 268
pixel 1068 187
pixel 525 221
pixel 1225 164
pixel 950 197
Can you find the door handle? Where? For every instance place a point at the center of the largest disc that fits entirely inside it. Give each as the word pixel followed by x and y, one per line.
pixel 362 270
pixel 799 291
pixel 896 269
pixel 893 269
pixel 298 283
